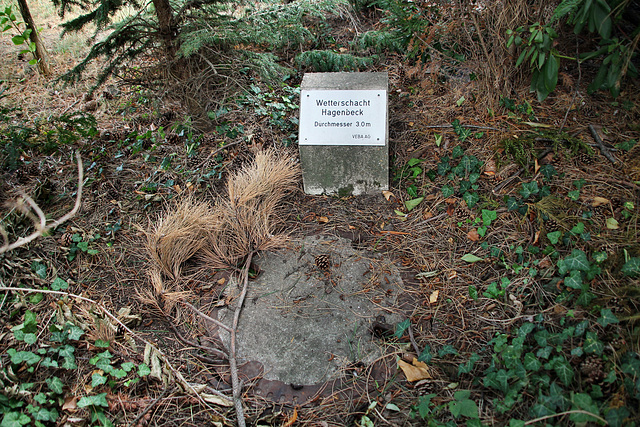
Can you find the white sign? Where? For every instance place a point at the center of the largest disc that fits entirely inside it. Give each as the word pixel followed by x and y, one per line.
pixel 343 117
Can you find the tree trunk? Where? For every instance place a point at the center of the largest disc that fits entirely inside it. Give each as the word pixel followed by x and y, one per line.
pixel 167 26
pixel 41 52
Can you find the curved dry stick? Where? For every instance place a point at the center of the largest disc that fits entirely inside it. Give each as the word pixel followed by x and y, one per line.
pixel 42 228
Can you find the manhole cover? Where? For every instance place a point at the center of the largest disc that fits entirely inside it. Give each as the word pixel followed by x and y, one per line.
pixel 307 317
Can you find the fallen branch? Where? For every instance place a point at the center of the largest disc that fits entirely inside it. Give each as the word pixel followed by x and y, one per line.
pixel 606 151
pixel 235 382
pixel 42 226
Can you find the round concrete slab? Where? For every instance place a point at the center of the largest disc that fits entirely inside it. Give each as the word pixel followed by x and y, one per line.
pixel 303 323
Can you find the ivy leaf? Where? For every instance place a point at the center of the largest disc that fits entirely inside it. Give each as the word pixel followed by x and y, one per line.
pixel 59 284
pixel 471 198
pixel 465 407
pixel 97 380
pixel 631 268
pixel 55 384
pixel 40 269
pixel 554 237
pixel 574 281
pixel 424 404
pixel 607 317
pixel 616 416
pixel 584 402
pixel 528 189
pixel 143 369
pixel 15 419
pixel 97 400
pixel 531 362
pixel 446 350
pixel 577 261
pixel 74 332
pixel 563 370
pixel 447 191
pixel 488 216
pixel 18 357
pixel 402 327
pixel 592 345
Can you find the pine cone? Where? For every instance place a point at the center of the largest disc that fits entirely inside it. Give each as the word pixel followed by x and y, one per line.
pixel 551 225
pixel 66 239
pixel 585 159
pixel 173 138
pixel 462 215
pixel 593 368
pixel 323 262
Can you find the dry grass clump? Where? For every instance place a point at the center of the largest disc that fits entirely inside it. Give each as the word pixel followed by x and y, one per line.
pixel 179 234
pixel 222 235
pixel 247 216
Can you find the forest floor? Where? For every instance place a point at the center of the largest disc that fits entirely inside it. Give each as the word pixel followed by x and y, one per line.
pixel 484 220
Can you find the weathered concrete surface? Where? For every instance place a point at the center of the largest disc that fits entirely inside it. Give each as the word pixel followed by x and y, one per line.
pixel 305 324
pixel 346 170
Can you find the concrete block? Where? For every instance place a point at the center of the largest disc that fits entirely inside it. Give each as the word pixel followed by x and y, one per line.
pixel 344 133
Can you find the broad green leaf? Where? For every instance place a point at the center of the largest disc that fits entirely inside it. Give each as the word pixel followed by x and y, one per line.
pixel 410 204
pixel 446 350
pixel 574 280
pixel 612 224
pixel 464 407
pixel 631 268
pixel 392 407
pixel 617 416
pixel 471 198
pixel 488 216
pixel 97 400
pixel 40 269
pixel 470 258
pixel 554 236
pixel 97 380
pixel 447 191
pixel 17 40
pixel 425 356
pixel 83 246
pixel 58 284
pixel 528 189
pixel 592 345
pixel 577 261
pixel 578 228
pixel 550 73
pixel 15 419
pixel 143 370
pixel 473 292
pixel 402 327
pixel 424 404
pixel 74 331
pixel 574 195
pixel 55 384
pixel 607 317
pixel 584 402
pixel 531 362
pixel 563 370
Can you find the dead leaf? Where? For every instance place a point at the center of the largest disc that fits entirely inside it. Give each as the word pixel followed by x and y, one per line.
pixel 426 214
pixel 416 371
pixel 323 219
pixel 433 298
pixel 490 168
pixel 70 404
pixel 452 275
pixel 221 281
pixel 216 400
pixel 473 235
pixel 388 194
pixel 536 166
pixel 599 201
pixel 351 227
pixel 451 209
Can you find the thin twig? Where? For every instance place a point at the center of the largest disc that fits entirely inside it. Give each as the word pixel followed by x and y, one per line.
pixel 42 228
pixel 575 91
pixel 213 153
pixel 413 340
pixel 209 318
pixel 149 407
pixel 219 353
pixel 603 148
pixel 575 411
pixel 463 126
pixel 235 382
